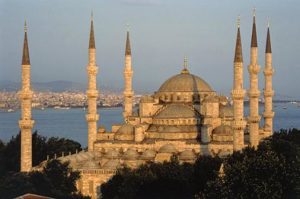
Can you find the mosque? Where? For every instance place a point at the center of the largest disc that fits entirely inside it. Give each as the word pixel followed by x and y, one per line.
pixel 184 117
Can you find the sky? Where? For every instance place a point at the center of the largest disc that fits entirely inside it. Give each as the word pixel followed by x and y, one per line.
pixel 162 32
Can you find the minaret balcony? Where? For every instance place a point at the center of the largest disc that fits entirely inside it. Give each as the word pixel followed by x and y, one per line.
pixel 26 124
pixel 92 117
pixel 269 114
pixel 92 93
pixel 128 72
pixel 128 93
pixel 268 72
pixel 254 69
pixel 253 93
pixel 92 70
pixel 239 124
pixel 268 93
pixel 254 119
pixel 238 94
pixel 25 94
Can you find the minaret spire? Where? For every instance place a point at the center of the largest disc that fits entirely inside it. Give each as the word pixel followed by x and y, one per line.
pixel 128 48
pixel 238 57
pixel 128 92
pixel 25 58
pixel 254 36
pixel 92 93
pixel 268 43
pixel 26 123
pixel 92 37
pixel 238 94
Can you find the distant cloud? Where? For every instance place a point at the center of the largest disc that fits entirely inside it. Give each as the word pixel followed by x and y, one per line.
pixel 142 2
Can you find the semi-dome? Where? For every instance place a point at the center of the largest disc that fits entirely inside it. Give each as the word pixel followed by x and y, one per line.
pixel 222 130
pixel 168 148
pixel 131 154
pixel 185 82
pixel 148 155
pixel 111 154
pixel 187 155
pixel 125 132
pixel 111 164
pixel 177 111
pixel 91 164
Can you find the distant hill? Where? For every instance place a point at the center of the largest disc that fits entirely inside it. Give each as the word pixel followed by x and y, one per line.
pixel 54 86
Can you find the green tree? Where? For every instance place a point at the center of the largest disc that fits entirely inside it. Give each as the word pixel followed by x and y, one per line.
pixel 271 171
pixel 162 180
pixel 56 180
pixel 41 147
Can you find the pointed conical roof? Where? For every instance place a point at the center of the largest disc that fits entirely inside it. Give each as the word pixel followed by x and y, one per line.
pixel 25 58
pixel 128 48
pixel 268 44
pixel 238 57
pixel 92 37
pixel 254 36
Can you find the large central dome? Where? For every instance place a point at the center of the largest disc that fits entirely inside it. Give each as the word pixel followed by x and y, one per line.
pixel 185 82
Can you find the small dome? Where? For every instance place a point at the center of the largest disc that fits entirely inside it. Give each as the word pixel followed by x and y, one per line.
pixel 148 155
pixel 131 154
pixel 111 154
pixel 226 111
pixel 177 111
pixel 222 130
pixel 168 148
pixel 111 164
pixel 125 132
pixel 126 129
pixel 90 164
pixel 187 155
pixel 185 82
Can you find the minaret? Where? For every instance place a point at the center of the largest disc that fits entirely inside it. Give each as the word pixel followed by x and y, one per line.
pixel 92 93
pixel 268 93
pixel 253 91
pixel 128 92
pixel 238 94
pixel 26 123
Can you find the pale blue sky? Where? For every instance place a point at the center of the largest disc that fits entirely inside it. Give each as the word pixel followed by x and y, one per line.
pixel 162 33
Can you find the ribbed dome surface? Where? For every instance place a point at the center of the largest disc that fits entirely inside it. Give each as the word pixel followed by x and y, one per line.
pixel 185 82
pixel 177 110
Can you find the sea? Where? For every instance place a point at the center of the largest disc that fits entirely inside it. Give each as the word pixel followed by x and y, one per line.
pixel 71 123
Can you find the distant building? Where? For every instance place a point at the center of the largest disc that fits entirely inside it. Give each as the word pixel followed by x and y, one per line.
pixel 185 117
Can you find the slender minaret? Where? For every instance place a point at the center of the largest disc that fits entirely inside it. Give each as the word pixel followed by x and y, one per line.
pixel 253 91
pixel 26 123
pixel 238 94
pixel 268 93
pixel 128 92
pixel 92 93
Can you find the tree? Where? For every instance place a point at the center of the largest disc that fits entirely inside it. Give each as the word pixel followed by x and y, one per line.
pixel 56 180
pixel 162 180
pixel 271 171
pixel 41 147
